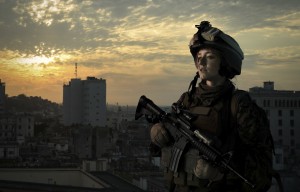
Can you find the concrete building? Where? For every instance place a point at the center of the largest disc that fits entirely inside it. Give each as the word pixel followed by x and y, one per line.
pixel 60 144
pixel 9 150
pixel 25 127
pixel 7 129
pixel 84 102
pixel 90 142
pixel 283 110
pixel 16 128
pixel 13 131
pixel 83 142
pixel 2 98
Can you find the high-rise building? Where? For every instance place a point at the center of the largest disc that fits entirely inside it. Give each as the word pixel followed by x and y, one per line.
pixel 2 98
pixel 84 102
pixel 283 110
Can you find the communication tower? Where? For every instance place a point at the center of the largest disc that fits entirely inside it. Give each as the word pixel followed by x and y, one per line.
pixel 76 70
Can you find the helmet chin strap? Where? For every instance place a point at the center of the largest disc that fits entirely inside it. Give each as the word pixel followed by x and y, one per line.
pixel 193 86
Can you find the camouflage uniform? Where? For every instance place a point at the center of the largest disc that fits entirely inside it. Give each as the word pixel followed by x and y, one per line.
pixel 235 121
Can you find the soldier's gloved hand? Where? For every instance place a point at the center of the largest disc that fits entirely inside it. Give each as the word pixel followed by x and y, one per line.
pixel 159 135
pixel 204 170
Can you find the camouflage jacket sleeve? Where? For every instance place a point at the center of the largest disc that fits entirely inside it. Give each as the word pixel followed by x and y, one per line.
pixel 252 124
pixel 256 141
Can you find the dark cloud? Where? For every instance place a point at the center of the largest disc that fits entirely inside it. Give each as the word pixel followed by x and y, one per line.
pixel 68 31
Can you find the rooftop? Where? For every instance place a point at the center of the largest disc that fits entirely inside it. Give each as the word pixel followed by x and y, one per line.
pixel 61 180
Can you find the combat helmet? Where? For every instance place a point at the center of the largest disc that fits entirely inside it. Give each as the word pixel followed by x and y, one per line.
pixel 208 36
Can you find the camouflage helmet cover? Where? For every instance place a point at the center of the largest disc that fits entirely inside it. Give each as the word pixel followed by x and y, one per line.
pixel 208 36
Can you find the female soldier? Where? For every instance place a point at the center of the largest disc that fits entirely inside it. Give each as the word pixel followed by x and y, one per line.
pixel 237 126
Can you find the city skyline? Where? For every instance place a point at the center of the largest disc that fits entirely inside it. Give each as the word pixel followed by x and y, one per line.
pixel 140 47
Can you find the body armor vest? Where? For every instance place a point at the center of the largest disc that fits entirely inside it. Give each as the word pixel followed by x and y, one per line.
pixel 213 121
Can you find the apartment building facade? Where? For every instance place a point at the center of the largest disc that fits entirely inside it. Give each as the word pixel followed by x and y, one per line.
pixel 14 130
pixel 84 102
pixel 283 110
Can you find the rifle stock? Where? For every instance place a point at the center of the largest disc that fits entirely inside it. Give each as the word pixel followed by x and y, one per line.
pixel 182 132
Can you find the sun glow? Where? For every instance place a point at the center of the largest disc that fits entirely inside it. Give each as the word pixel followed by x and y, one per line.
pixel 37 65
pixel 35 60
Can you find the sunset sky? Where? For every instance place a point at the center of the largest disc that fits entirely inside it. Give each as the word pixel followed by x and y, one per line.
pixel 140 46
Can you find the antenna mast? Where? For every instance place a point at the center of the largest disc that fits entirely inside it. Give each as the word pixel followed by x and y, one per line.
pixel 76 70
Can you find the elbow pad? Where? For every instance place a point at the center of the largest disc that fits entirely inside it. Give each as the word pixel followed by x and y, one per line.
pixel 159 135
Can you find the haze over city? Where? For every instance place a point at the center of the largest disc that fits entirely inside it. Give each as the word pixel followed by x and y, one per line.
pixel 140 46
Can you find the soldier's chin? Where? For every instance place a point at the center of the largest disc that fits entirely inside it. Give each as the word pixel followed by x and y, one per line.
pixel 203 76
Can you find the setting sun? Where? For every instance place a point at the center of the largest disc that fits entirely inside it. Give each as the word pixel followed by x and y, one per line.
pixel 35 60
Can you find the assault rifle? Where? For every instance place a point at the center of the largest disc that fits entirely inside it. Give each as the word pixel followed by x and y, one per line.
pixel 181 130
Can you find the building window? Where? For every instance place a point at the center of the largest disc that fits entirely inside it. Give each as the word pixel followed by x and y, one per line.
pixel 280 132
pixel 292 142
pixel 292 123
pixel 267 112
pixel 280 122
pixel 292 151
pixel 292 113
pixel 292 133
pixel 278 158
pixel 279 113
pixel 275 103
pixel 280 141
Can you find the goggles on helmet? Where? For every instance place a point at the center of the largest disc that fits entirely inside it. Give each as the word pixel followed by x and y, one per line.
pixel 208 36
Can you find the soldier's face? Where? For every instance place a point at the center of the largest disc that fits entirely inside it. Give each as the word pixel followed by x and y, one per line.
pixel 208 63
